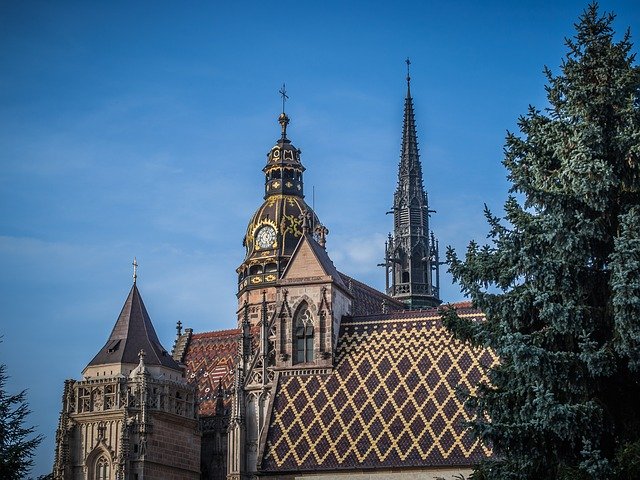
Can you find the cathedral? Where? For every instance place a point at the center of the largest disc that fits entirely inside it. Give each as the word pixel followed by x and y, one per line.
pixel 321 377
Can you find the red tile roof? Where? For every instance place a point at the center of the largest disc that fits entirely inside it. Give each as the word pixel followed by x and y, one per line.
pixel 209 359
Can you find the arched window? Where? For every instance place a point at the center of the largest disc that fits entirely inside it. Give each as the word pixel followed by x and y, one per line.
pixel 405 277
pixel 103 469
pixel 303 335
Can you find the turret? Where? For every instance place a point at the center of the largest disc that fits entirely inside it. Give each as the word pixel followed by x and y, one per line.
pixel 276 227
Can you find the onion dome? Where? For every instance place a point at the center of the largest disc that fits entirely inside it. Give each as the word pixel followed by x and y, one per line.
pixel 275 228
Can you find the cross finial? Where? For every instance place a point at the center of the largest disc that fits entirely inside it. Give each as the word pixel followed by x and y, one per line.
pixel 305 217
pixel 321 235
pixel 408 62
pixel 283 119
pixel 283 94
pixel 135 269
pixel 179 327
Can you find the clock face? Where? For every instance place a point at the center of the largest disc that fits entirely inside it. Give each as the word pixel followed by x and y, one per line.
pixel 266 237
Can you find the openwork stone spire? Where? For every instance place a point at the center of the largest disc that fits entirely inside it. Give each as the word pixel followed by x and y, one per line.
pixel 411 256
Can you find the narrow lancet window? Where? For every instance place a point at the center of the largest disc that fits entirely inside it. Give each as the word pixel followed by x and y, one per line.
pixel 103 469
pixel 303 335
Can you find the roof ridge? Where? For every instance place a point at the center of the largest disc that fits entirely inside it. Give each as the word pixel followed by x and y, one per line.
pixel 228 331
pixel 369 287
pixel 409 315
pixel 145 316
pixel 319 252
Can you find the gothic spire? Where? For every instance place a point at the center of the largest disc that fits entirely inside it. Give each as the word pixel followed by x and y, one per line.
pixel 411 257
pixel 409 156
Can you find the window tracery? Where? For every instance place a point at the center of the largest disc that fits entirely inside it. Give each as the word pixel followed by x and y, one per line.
pixel 103 469
pixel 303 335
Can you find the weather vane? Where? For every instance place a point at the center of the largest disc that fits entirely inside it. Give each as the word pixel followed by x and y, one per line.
pixel 283 94
pixel 135 269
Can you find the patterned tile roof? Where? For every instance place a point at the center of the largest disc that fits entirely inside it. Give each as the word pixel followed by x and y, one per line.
pixel 367 300
pixel 209 359
pixel 390 402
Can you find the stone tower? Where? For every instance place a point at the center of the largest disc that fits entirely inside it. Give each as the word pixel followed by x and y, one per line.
pixel 275 228
pixel 291 302
pixel 411 253
pixel 132 416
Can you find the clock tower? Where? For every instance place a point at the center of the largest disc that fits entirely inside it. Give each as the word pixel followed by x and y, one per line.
pixel 277 225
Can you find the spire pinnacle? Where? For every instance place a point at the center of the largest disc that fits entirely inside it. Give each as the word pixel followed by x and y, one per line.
pixel 135 270
pixel 408 62
pixel 305 218
pixel 283 119
pixel 283 94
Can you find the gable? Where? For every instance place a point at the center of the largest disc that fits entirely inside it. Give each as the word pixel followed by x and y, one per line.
pixel 304 264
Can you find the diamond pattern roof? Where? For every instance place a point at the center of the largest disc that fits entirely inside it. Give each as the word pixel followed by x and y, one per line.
pixel 390 402
pixel 209 359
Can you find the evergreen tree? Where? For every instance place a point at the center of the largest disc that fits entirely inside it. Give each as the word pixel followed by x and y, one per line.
pixel 560 280
pixel 16 449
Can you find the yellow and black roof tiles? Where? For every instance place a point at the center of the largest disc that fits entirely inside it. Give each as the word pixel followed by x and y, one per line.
pixel 392 400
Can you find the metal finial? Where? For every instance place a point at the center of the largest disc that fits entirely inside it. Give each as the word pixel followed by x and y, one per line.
pixel 321 235
pixel 283 94
pixel 408 62
pixel 135 269
pixel 305 217
pixel 179 327
pixel 283 119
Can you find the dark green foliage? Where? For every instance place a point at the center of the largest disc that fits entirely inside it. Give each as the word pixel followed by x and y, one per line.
pixel 560 281
pixel 16 449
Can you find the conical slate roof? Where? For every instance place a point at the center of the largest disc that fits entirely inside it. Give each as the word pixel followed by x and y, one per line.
pixel 134 332
pixel 410 153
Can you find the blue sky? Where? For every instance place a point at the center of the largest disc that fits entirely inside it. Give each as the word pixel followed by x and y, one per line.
pixel 140 129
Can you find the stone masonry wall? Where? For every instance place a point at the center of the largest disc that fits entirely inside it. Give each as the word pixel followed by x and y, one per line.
pixel 173 450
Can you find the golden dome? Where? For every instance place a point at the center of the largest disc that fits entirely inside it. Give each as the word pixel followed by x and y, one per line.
pixel 276 227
